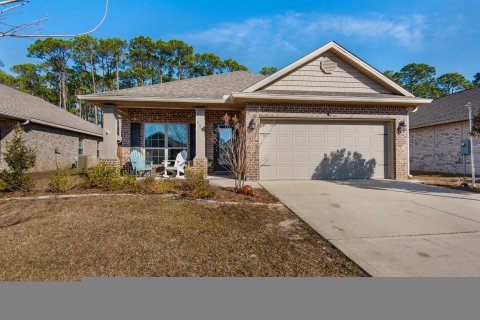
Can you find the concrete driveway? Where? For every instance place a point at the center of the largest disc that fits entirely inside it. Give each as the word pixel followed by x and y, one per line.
pixel 391 228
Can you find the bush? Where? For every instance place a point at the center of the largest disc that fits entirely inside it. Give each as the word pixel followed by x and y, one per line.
pixel 150 185
pixel 109 179
pixel 60 181
pixel 195 183
pixel 19 159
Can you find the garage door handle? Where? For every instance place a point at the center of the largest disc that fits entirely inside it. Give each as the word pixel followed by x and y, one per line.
pixel 265 165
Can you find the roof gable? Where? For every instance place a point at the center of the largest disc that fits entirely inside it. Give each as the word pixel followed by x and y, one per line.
pixel 314 72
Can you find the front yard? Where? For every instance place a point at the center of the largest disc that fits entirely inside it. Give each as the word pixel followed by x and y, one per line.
pixel 157 236
pixel 447 181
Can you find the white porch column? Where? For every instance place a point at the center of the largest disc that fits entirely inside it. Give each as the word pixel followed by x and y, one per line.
pixel 110 123
pixel 200 161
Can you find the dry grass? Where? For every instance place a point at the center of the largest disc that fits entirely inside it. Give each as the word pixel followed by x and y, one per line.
pixel 447 181
pixel 154 236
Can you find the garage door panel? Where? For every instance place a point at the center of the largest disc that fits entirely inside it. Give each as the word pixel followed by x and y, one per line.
pixel 295 150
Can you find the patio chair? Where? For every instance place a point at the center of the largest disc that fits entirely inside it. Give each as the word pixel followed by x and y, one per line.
pixel 139 164
pixel 179 165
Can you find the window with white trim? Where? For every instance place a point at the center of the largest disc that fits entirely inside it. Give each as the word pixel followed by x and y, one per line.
pixel 164 141
pixel 80 146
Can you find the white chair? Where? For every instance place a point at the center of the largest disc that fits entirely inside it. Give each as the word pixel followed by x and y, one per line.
pixel 179 165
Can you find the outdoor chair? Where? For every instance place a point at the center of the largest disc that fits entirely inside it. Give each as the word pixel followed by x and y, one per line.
pixel 139 164
pixel 179 165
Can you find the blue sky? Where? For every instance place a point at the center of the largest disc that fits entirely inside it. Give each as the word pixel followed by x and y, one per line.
pixel 386 34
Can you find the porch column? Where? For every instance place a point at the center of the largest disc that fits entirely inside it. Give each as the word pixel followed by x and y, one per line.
pixel 200 162
pixel 110 144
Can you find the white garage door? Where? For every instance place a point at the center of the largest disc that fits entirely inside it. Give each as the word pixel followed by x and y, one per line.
pixel 323 150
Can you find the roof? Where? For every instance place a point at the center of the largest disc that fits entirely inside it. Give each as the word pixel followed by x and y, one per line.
pixel 446 109
pixel 242 86
pixel 213 87
pixel 20 105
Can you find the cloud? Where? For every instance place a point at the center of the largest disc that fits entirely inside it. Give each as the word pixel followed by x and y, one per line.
pixel 284 30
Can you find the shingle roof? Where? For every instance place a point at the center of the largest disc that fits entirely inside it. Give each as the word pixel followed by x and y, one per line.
pixel 19 105
pixel 447 109
pixel 209 87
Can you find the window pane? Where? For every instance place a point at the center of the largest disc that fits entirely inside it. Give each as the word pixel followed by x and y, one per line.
pixel 177 135
pixel 154 135
pixel 155 155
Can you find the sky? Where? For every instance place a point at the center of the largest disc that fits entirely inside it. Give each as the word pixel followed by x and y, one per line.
pixel 387 34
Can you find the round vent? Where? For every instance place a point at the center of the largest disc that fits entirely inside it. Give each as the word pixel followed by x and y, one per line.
pixel 327 65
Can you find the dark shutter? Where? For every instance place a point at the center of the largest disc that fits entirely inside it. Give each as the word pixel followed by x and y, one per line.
pixel 135 135
pixel 192 138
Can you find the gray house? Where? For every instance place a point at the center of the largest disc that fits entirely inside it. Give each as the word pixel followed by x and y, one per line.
pixel 327 115
pixel 436 132
pixel 57 136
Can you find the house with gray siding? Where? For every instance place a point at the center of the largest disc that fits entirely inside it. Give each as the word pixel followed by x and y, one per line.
pixel 328 115
pixel 57 136
pixel 437 131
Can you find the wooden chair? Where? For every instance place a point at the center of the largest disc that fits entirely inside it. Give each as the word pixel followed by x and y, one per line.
pixel 139 164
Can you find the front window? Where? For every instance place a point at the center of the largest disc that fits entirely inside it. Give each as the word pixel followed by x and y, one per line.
pixel 99 147
pixel 164 141
pixel 80 146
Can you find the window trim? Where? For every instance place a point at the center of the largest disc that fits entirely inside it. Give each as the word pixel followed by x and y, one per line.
pixel 81 146
pixel 166 148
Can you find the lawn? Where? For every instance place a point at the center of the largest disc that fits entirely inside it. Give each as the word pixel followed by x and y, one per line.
pixel 157 236
pixel 447 181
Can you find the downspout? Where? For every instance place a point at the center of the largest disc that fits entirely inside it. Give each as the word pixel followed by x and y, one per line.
pixel 408 143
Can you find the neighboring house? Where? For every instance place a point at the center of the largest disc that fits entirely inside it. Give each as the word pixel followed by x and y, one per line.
pixel 436 132
pixel 56 135
pixel 328 115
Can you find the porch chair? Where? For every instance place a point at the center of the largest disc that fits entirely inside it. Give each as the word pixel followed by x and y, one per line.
pixel 179 165
pixel 139 164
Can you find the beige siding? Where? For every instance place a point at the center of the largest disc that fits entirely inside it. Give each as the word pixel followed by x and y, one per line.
pixel 345 78
pixel 435 148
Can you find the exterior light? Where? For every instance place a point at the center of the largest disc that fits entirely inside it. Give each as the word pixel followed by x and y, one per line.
pixel 402 127
pixel 252 124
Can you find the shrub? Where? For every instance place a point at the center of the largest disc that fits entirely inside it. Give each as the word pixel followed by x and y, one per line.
pixel 130 184
pixel 195 183
pixel 19 159
pixel 109 179
pixel 150 185
pixel 60 181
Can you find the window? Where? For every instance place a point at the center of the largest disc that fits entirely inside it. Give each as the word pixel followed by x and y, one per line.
pixel 99 146
pixel 164 141
pixel 80 146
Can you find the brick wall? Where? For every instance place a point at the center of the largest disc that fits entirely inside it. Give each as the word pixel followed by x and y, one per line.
pixel 326 112
pixel 44 140
pixel 435 148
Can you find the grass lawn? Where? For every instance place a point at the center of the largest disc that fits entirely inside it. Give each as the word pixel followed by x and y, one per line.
pixel 447 181
pixel 154 236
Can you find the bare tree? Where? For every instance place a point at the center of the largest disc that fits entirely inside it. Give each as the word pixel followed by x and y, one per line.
pixel 7 9
pixel 233 151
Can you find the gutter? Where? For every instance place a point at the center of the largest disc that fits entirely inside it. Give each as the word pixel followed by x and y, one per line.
pixel 153 99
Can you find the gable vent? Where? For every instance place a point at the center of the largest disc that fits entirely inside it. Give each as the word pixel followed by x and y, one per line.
pixel 327 65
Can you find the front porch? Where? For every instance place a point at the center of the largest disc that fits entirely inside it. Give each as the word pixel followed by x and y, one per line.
pixel 159 134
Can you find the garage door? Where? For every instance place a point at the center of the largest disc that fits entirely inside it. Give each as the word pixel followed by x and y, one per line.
pixel 323 150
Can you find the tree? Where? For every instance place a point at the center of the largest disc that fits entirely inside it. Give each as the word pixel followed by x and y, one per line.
pixel 452 82
pixel 7 79
pixel 141 58
pixel 19 158
pixel 206 64
pixel 182 59
pixel 231 65
pixel 476 126
pixel 412 75
pixel 112 53
pixel 56 54
pixel 476 79
pixel 13 29
pixel 392 75
pixel 31 80
pixel 163 58
pixel 267 71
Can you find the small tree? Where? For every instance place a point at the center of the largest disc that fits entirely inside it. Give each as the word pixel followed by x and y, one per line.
pixel 19 158
pixel 476 126
pixel 233 152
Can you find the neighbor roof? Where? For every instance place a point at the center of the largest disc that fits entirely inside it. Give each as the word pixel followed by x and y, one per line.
pixel 446 109
pixel 19 105
pixel 213 87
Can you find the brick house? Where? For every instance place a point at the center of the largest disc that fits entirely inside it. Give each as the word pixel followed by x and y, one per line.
pixel 437 131
pixel 56 135
pixel 328 115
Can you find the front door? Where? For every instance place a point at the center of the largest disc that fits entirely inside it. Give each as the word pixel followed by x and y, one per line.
pixel 223 135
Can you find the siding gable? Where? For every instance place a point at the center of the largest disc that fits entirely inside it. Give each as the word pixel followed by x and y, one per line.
pixel 345 78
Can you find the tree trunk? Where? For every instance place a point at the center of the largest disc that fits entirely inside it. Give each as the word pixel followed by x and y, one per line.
pixel 117 72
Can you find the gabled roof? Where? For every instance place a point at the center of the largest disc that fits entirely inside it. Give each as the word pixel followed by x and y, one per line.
pixel 19 105
pixel 343 53
pixel 446 109
pixel 209 88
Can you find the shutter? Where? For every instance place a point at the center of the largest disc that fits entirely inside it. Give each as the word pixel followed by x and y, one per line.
pixel 192 138
pixel 135 135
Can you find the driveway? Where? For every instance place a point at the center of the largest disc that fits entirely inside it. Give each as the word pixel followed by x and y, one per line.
pixel 391 228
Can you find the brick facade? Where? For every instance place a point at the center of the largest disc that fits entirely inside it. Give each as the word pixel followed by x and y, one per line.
pixel 435 149
pixel 55 148
pixel 391 114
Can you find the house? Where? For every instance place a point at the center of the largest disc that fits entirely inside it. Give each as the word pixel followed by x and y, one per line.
pixel 57 136
pixel 328 115
pixel 436 133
